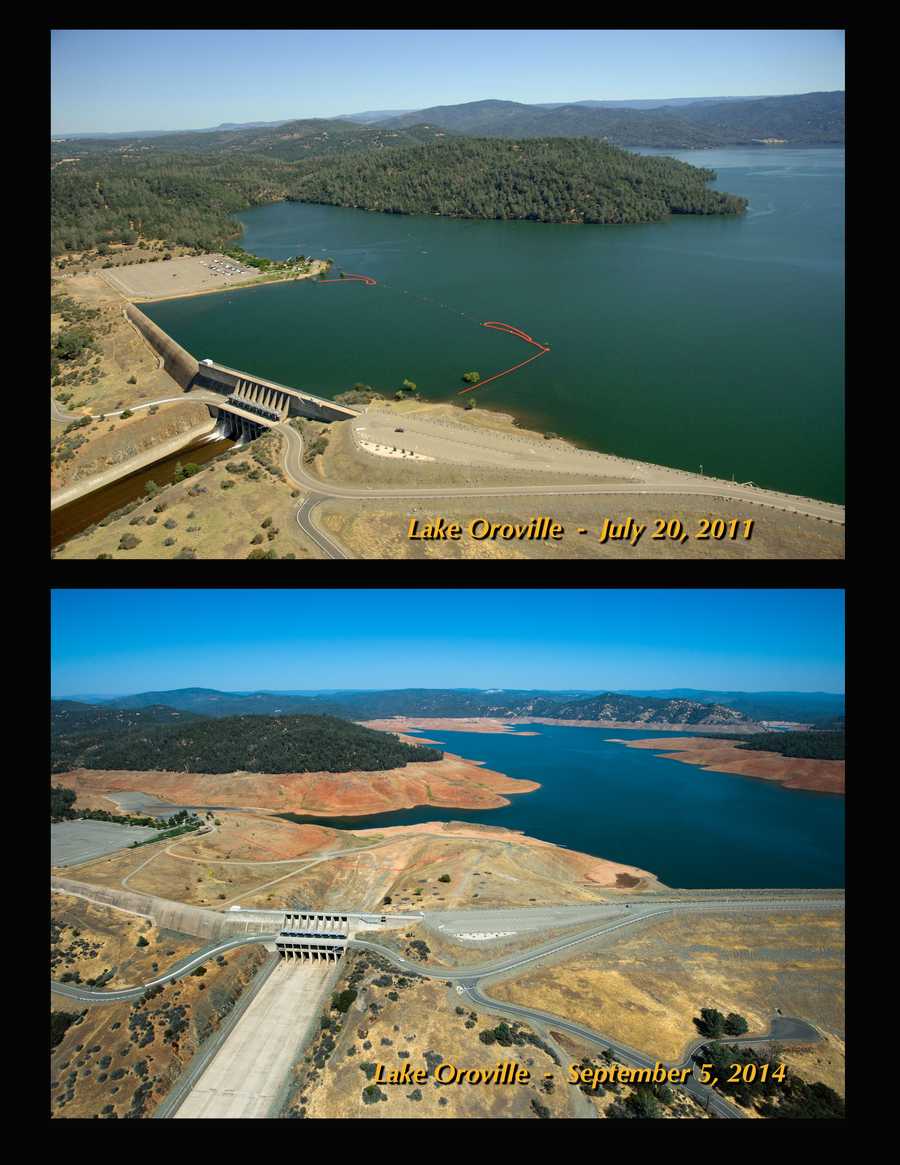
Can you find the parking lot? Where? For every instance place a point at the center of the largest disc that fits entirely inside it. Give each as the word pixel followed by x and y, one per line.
pixel 186 275
pixel 78 841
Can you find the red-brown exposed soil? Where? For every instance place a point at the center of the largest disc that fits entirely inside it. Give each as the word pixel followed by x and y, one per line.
pixel 452 783
pixel 820 776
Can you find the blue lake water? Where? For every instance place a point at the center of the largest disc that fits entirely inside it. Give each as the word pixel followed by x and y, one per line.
pixel 696 341
pixel 691 827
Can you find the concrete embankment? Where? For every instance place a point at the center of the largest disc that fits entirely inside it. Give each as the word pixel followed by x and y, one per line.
pixel 196 920
pixel 140 460
pixel 177 361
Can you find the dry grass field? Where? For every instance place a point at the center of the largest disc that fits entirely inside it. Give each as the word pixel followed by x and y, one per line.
pixel 254 860
pixel 123 353
pixel 379 529
pixel 115 440
pixel 212 521
pixel 395 1021
pixel 92 939
pixel 645 989
pixel 119 1060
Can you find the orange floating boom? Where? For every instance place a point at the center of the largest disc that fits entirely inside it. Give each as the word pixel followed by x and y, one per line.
pixel 498 326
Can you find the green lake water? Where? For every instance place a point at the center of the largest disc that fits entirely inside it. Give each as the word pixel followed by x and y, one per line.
pixel 698 341
pixel 691 827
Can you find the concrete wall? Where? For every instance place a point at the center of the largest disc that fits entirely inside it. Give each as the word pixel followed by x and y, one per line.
pixel 177 361
pixel 194 920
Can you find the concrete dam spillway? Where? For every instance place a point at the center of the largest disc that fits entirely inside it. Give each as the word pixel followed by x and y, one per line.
pixel 259 402
pixel 247 406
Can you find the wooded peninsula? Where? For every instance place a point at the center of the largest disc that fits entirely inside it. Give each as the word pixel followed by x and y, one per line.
pixel 189 199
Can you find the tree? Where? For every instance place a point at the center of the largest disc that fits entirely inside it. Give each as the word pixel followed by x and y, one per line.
pixel 471 377
pixel 735 1025
pixel 141 942
pixel 711 1023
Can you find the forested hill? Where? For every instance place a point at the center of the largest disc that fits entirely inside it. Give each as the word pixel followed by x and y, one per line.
pixel 823 744
pixel 826 745
pixel 447 702
pixel 798 119
pixel 290 141
pixel 190 198
pixel 252 744
pixel 564 180
pixel 69 717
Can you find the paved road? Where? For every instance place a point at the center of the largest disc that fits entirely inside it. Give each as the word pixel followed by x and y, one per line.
pixel 669 483
pixel 180 968
pixel 468 982
pixel 58 413
pixel 661 481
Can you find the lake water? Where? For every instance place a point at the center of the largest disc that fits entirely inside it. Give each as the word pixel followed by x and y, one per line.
pixel 691 827
pixel 713 342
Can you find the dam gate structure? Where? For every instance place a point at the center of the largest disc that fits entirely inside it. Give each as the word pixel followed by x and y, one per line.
pixel 260 403
pixel 265 401
pixel 315 936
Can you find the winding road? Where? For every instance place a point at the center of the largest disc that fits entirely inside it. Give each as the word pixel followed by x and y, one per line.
pixel 669 483
pixel 661 481
pixel 469 981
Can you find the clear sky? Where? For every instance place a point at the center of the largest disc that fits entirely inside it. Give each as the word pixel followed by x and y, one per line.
pixel 132 79
pixel 115 642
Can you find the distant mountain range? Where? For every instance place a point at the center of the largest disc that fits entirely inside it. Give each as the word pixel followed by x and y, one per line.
pixel 819 709
pixel 680 122
pixel 608 706
pixel 288 141
pixel 805 119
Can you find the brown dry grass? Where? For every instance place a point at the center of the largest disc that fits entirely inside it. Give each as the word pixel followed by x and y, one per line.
pixel 123 352
pixel 111 938
pixel 104 1031
pixel 222 522
pixel 822 1063
pixel 646 988
pixel 422 1018
pixel 113 441
pixel 486 866
pixel 380 529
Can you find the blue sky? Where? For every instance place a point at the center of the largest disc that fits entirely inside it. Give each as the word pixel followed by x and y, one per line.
pixel 121 641
pixel 132 79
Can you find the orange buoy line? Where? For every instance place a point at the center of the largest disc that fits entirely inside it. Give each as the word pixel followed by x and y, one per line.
pixel 496 325
pixel 510 331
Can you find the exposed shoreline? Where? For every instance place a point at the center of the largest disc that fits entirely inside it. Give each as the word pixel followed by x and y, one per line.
pixel 451 783
pixel 805 773
pixel 399 724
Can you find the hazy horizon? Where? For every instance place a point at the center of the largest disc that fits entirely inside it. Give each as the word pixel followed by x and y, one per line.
pixel 139 80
